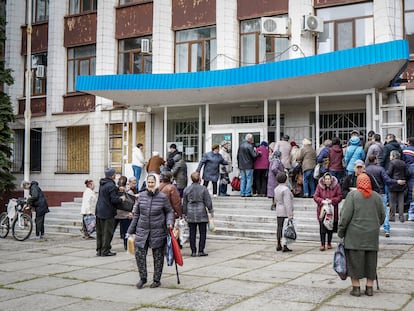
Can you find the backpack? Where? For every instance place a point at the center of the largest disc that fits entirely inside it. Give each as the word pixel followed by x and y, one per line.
pixel 339 262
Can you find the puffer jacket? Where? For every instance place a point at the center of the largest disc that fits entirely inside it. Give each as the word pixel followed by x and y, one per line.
pixel 37 199
pixel 397 169
pixel 151 218
pixel 211 162
pixel 353 152
pixel 179 171
pixel 108 199
pixel 333 192
pixel 284 201
pixel 195 201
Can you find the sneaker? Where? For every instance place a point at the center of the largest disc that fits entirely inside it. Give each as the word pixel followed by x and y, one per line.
pixel 387 234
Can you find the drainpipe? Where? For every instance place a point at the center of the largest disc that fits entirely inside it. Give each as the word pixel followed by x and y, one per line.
pixel 28 110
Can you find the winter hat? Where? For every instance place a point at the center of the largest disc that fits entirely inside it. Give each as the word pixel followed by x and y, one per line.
pixel 306 141
pixel 263 143
pixel 109 172
pixel 293 144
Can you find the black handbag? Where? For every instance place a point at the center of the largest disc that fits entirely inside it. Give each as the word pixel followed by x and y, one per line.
pixel 129 202
pixel 290 232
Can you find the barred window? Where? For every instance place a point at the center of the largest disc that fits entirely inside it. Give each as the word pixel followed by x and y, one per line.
pixel 186 131
pixel 340 124
pixel 73 150
pixel 35 150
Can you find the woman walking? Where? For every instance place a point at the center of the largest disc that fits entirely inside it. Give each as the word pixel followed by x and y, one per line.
pixel 327 192
pixel 150 221
pixel 361 218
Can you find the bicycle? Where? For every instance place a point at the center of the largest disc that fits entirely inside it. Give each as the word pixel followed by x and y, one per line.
pixel 16 218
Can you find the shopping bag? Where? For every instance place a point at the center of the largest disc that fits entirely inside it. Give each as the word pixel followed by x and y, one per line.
pixel 210 226
pixel 289 232
pixel 178 257
pixel 339 261
pixel 411 212
pixel 328 220
pixel 235 183
pixel 169 255
pixel 131 244
pixel 90 223
pixel 182 229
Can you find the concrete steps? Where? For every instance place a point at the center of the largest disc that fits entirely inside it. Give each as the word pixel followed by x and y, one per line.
pixel 235 218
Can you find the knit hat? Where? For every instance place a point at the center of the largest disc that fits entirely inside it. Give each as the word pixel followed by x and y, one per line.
pixel 109 172
pixel 293 144
pixel 263 143
pixel 306 141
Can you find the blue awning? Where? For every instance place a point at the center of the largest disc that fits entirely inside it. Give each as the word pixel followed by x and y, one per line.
pixel 372 66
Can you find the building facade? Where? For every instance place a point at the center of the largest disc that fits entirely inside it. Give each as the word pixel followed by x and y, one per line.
pixel 177 63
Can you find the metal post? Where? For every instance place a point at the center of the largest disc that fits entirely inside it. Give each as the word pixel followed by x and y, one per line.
pixel 28 109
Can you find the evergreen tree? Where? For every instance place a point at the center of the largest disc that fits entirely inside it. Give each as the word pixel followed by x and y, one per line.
pixel 6 116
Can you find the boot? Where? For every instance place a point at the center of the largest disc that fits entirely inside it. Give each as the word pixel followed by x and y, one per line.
pixel 369 291
pixel 356 291
pixel 286 249
pixel 279 246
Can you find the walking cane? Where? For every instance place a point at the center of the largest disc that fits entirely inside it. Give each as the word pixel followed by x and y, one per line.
pixel 176 270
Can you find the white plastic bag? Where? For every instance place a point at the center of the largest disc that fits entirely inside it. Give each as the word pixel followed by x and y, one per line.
pixel 181 226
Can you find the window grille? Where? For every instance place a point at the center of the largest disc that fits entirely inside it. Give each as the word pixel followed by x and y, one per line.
pixel 340 124
pixel 35 150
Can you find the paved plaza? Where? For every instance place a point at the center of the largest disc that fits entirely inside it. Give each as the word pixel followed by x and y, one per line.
pixel 63 273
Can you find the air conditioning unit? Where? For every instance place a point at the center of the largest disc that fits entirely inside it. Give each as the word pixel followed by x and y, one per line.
pixel 145 45
pixel 312 23
pixel 40 71
pixel 274 26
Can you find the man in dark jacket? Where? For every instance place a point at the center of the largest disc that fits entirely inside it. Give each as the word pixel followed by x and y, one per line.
pixel 170 160
pixel 108 199
pixel 38 201
pixel 391 144
pixel 245 160
pixel 350 180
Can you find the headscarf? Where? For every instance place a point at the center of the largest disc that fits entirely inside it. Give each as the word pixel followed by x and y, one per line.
pixel 276 155
pixel 364 185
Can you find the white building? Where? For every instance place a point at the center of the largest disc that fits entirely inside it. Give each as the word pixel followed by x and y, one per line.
pixel 216 69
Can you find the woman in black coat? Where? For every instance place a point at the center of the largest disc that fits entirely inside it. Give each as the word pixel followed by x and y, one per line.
pixel 152 217
pixel 397 169
pixel 38 201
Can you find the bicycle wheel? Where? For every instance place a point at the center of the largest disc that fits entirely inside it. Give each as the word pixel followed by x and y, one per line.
pixel 4 225
pixel 22 227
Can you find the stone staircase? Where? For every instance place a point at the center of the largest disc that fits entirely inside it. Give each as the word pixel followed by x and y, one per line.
pixel 235 218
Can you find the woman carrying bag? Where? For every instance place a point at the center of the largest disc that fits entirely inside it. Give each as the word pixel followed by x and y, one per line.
pixel 328 192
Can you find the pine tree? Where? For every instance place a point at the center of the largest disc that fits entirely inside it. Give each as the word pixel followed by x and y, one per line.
pixel 6 116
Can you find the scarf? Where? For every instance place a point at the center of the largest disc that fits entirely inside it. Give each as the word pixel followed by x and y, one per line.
pixel 364 185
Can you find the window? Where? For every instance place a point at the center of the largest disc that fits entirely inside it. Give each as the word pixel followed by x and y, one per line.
pixel 340 124
pixel 73 150
pixel 186 131
pixel 39 66
pixel 82 6
pixel 346 27
pixel 35 150
pixel 131 59
pixel 81 62
pixel 195 50
pixel 121 2
pixel 409 24
pixel 40 10
pixel 256 48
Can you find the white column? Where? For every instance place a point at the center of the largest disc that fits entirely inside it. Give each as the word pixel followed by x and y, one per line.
pixel 227 34
pixel 200 132
pixel 368 112
pixel 162 38
pixel 277 136
pixel 265 118
pixel 317 141
pixel 304 40
pixel 388 20
pixel 56 64
pixel 165 132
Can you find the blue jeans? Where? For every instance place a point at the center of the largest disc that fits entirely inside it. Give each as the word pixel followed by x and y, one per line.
pixel 246 181
pixel 386 224
pixel 137 173
pixel 308 183
pixel 339 175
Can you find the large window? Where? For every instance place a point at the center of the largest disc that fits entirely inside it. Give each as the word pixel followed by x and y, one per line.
pixel 40 10
pixel 346 27
pixel 131 59
pixel 35 150
pixel 195 50
pixel 82 6
pixel 409 24
pixel 73 150
pixel 81 62
pixel 256 48
pixel 39 66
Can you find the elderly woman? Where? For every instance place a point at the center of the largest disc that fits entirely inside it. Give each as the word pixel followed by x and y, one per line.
pixel 152 217
pixel 361 218
pixel 88 207
pixel 211 162
pixel 275 166
pixel 195 202
pixel 123 218
pixel 327 191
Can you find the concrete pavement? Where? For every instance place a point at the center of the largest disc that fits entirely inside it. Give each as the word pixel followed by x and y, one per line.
pixel 63 273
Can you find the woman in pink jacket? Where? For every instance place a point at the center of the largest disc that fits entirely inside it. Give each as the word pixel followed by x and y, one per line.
pixel 327 191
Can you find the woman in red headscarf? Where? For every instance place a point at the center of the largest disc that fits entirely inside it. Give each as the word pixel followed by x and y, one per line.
pixel 360 220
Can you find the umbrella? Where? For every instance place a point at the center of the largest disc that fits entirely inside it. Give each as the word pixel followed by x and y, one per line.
pixel 178 258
